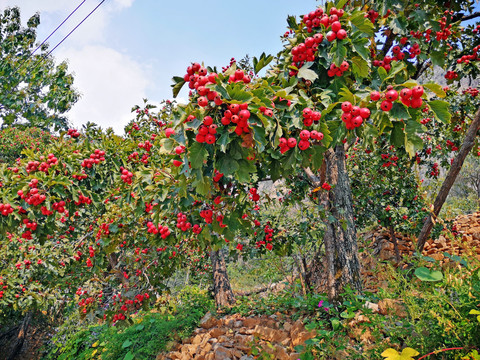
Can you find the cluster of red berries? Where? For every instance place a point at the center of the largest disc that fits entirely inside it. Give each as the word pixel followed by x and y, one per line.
pixel 196 229
pixel 311 116
pixel 83 200
pixel 197 77
pixel 182 222
pixel 32 166
pixel 45 211
pixel 318 17
pixel 445 30
pixel 254 196
pixel 425 121
pixel 306 51
pixel 59 206
pixel 353 116
pixel 335 70
pixel 126 176
pixel 237 114
pixel 32 197
pixel 30 224
pixel 81 176
pixel 73 133
pixel 451 75
pixel 409 97
pixel 435 170
pixel 398 54
pixel 163 230
pixel 336 31
pixel 217 175
pixel 372 15
pixel 95 158
pixel 472 91
pixel 468 58
pixel 452 146
pixel 239 76
pixel 207 215
pixel 147 145
pixel 266 111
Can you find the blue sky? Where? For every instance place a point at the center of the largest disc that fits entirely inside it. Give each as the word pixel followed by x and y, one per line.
pixel 129 50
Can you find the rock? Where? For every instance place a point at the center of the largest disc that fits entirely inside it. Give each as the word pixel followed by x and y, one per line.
pixel 222 353
pixel 303 336
pixel 216 332
pixel 208 321
pixel 287 326
pixel 269 334
pixel 251 322
pixel 372 306
pixel 238 324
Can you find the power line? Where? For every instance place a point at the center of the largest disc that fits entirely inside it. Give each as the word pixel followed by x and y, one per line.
pixel 61 41
pixel 49 36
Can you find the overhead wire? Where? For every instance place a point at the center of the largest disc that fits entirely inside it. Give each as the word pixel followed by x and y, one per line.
pixel 61 41
pixel 49 36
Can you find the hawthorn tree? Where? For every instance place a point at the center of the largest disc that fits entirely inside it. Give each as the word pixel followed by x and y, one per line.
pixel 33 91
pixel 183 183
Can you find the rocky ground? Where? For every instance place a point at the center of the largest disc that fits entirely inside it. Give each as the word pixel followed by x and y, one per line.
pixel 236 337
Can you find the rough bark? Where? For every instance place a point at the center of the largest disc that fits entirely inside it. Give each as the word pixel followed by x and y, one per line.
pixel 16 347
pixel 449 180
pixel 222 290
pixel 395 243
pixel 342 265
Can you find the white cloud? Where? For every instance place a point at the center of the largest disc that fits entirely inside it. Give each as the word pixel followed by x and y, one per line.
pixel 111 83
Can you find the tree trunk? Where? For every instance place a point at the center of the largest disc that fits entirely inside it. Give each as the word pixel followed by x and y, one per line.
pixel 395 243
pixel 449 180
pixel 16 347
pixel 342 265
pixel 221 284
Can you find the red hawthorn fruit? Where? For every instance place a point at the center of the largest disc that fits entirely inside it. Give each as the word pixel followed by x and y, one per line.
pixel 202 101
pixel 303 144
pixel 386 105
pixel 417 91
pixel 375 96
pixel 346 106
pixel 341 34
pixel 364 113
pixel 292 142
pixel 336 26
pixel 405 93
pixel 177 163
pixel 207 121
pixel 391 95
pixel 331 36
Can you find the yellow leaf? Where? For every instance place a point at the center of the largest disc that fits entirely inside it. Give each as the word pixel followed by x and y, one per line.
pixel 391 354
pixel 408 353
pixel 95 344
pixel 317 189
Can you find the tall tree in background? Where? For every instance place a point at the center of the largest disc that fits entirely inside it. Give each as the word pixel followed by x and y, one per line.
pixel 33 90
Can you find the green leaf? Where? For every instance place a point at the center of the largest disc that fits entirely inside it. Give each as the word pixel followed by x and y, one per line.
pixel 398 135
pixel 127 343
pixel 340 4
pixel 399 111
pixel 360 67
pixel 223 141
pixel 361 47
pixel 339 51
pixel 227 165
pixel 259 64
pixel 435 88
pixel 306 73
pixel 426 274
pixel 197 154
pixel 177 86
pixel 362 23
pixel 129 356
pixel 440 110
pixel 438 58
pixel 382 72
pixel 399 25
pixel 237 92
